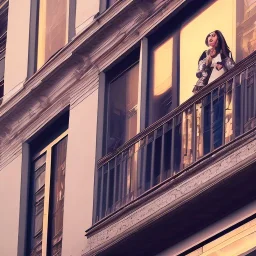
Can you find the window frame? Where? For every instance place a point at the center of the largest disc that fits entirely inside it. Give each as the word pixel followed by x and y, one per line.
pixel 48 150
pixel 34 29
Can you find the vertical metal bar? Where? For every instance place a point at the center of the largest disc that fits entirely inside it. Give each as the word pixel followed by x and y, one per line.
pixel 162 155
pixel 153 160
pixel 143 176
pixel 101 193
pixel 124 166
pixel 114 189
pixel 211 124
pixel 242 104
pixel 194 132
pixel 246 97
pixel 120 180
pixel 233 108
pixel 202 126
pixel 107 189
pixel 172 147
pixel 254 89
pixel 224 114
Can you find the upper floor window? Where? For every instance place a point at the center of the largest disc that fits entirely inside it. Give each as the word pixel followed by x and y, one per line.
pixel 105 4
pixel 122 102
pixel 239 30
pixel 3 36
pixel 52 28
pixel 110 2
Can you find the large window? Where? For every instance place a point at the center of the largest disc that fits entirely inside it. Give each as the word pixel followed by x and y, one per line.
pixel 238 28
pixel 47 198
pixel 160 82
pixel 52 28
pixel 122 103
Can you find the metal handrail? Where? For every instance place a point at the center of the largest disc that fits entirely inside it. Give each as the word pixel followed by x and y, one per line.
pixel 219 113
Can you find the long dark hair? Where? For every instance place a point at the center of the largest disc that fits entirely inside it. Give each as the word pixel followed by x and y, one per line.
pixel 223 47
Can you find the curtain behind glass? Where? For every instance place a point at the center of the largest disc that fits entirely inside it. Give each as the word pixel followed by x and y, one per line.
pixel 57 196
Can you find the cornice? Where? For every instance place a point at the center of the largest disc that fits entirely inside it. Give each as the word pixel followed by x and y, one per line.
pixel 74 72
pixel 111 24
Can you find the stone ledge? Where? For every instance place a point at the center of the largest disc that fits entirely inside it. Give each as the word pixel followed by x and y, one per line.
pixel 171 199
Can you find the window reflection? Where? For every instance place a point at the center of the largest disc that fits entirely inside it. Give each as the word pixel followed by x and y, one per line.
pixel 240 242
pixel 160 98
pixel 192 40
pixel 246 28
pixel 51 28
pixel 122 108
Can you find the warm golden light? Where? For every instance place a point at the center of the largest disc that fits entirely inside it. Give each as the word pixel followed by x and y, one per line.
pixel 162 68
pixel 51 29
pixel 192 40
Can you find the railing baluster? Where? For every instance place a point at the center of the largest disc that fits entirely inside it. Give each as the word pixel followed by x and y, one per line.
pixel 107 189
pixel 144 165
pixel 243 95
pixel 194 133
pixel 153 159
pixel 172 148
pixel 115 183
pixel 101 194
pixel 162 153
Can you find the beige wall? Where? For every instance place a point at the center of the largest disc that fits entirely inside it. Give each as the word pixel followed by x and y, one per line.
pixel 16 61
pixel 10 178
pixel 85 11
pixel 80 175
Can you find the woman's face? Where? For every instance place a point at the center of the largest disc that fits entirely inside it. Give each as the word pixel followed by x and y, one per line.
pixel 212 39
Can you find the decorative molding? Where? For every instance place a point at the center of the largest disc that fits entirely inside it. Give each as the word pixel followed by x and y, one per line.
pixel 73 74
pixel 172 198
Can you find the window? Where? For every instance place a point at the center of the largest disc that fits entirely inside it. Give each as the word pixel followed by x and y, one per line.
pixel 47 198
pixel 52 28
pixel 162 75
pixel 239 30
pixel 110 2
pixel 239 241
pixel 122 102
pixel 3 35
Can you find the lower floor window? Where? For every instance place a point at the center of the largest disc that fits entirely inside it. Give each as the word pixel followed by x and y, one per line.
pixel 47 198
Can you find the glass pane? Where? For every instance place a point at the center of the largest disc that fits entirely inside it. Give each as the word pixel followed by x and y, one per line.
pixel 199 130
pixel 122 108
pixel 187 136
pixel 40 179
pixel 167 151
pixel 40 162
pixel 110 2
pixel 177 143
pixel 192 40
pixel 57 194
pixel 38 222
pixel 218 115
pixel 246 28
pixel 51 28
pixel 229 113
pixel 160 98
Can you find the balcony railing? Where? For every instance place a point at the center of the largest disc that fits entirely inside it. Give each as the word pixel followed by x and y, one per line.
pixel 212 118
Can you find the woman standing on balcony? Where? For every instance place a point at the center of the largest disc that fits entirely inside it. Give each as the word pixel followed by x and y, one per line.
pixel 215 61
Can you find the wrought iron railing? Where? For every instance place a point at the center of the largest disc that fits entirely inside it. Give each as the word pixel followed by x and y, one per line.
pixel 210 119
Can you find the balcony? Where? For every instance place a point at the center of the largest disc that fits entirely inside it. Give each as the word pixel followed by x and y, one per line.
pixel 197 138
pixel 201 126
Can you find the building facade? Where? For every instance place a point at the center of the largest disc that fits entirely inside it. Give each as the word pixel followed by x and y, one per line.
pixel 104 148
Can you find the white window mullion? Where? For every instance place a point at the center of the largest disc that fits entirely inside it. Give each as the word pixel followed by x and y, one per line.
pixel 46 200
